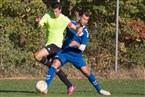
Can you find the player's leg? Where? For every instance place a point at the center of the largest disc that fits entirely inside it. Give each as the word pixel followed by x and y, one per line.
pixel 79 62
pixel 56 63
pixel 62 76
pixel 41 56
pixel 93 80
pixel 64 79
pixel 48 50
pixel 63 58
pixel 53 50
pixel 91 77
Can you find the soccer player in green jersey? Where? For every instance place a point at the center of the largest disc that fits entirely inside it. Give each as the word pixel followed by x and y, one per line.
pixel 55 23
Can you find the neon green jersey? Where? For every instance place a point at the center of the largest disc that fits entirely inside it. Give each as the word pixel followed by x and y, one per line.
pixel 54 28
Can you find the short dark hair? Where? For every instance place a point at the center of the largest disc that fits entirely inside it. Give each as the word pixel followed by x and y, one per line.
pixel 56 5
pixel 86 13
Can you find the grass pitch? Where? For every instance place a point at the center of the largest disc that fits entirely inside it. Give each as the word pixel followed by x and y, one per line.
pixel 118 88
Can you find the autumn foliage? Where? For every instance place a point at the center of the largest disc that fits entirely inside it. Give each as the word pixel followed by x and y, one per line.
pixel 140 31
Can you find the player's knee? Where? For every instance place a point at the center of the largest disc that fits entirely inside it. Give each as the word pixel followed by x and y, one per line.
pixel 85 71
pixel 86 74
pixel 37 57
pixel 56 64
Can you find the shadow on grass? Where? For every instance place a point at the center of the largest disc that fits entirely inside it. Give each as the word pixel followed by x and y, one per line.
pixel 116 93
pixel 134 93
pixel 17 91
pixel 141 94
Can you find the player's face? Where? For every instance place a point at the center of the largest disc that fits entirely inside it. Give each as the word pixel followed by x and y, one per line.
pixel 56 12
pixel 84 20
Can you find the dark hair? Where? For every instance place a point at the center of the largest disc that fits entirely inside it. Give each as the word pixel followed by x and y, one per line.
pixel 56 5
pixel 86 13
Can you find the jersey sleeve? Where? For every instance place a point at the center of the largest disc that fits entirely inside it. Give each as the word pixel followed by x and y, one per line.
pixel 43 20
pixel 67 21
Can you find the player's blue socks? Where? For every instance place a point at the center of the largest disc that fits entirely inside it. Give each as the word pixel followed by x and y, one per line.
pixel 50 75
pixel 94 82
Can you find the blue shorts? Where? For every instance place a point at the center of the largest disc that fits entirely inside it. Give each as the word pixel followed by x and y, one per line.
pixel 76 59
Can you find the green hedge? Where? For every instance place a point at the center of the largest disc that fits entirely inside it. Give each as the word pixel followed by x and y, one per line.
pixel 20 39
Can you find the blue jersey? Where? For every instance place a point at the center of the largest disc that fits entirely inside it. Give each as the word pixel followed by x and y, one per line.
pixel 71 35
pixel 73 54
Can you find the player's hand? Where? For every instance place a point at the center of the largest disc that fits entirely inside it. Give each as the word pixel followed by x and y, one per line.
pixel 38 18
pixel 79 31
pixel 74 43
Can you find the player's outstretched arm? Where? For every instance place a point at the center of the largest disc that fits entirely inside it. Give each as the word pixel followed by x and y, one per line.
pixel 77 27
pixel 80 46
pixel 74 43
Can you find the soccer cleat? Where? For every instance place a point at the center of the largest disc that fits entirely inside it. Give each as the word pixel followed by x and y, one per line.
pixel 70 90
pixel 45 92
pixel 104 92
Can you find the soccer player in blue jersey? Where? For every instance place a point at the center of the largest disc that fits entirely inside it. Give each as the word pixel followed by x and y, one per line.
pixel 72 49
